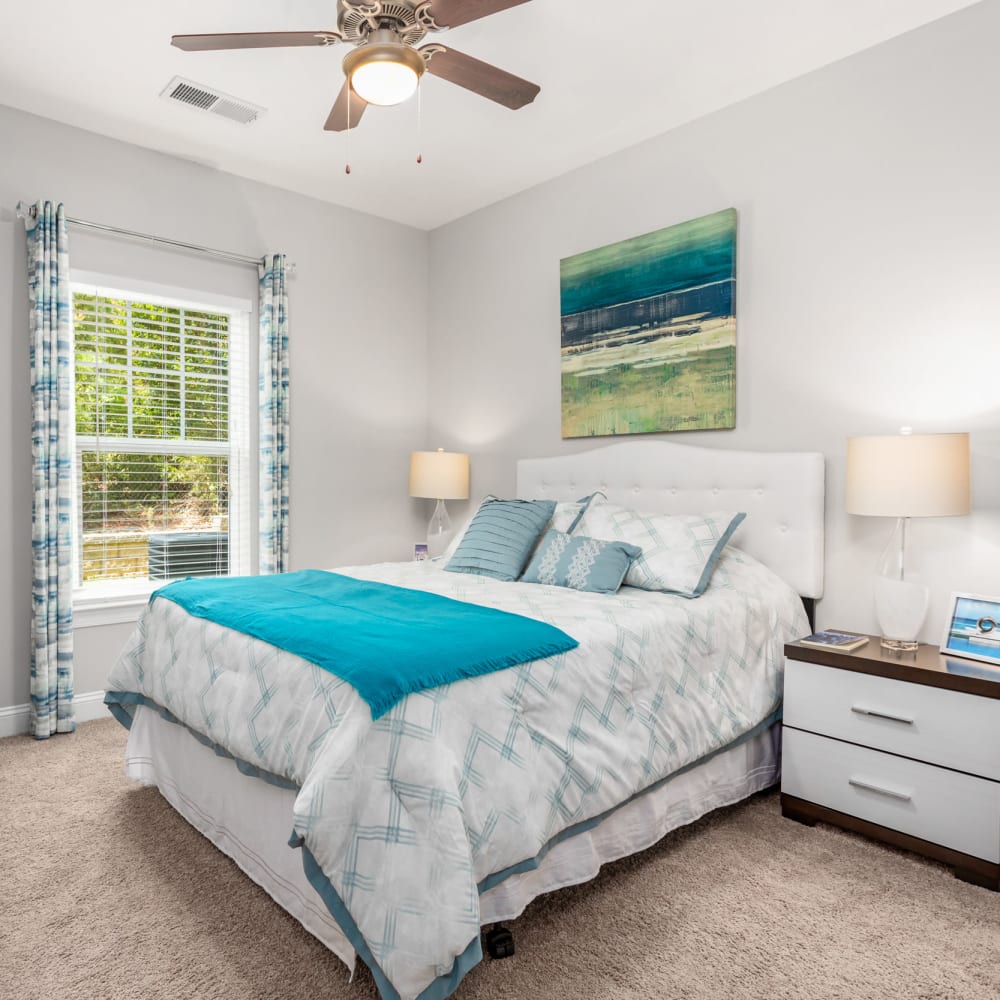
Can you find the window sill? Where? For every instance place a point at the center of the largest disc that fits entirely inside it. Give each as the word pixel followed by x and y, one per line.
pixel 91 611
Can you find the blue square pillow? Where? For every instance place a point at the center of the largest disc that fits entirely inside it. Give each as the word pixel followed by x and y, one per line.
pixel 500 537
pixel 581 563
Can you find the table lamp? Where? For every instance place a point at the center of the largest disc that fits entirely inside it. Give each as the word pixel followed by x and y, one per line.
pixel 903 476
pixel 439 475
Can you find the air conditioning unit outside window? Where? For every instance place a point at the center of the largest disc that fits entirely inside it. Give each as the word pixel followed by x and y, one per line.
pixel 188 553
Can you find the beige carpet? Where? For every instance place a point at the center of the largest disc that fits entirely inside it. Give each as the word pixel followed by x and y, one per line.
pixel 106 893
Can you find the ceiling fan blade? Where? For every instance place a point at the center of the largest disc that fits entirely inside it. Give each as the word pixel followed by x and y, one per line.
pixel 452 13
pixel 254 40
pixel 480 77
pixel 337 120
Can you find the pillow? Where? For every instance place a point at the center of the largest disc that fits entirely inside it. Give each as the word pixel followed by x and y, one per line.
pixel 565 518
pixel 456 539
pixel 679 551
pixel 582 563
pixel 567 515
pixel 501 537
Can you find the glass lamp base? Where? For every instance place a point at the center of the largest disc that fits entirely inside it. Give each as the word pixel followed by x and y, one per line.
pixel 901 599
pixel 900 607
pixel 900 645
pixel 439 531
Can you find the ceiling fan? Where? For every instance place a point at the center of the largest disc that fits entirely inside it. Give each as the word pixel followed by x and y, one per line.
pixel 385 66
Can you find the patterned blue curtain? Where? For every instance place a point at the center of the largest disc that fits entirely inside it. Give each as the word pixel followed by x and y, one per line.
pixel 51 357
pixel 273 403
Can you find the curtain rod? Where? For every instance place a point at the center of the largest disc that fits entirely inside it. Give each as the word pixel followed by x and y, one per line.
pixel 25 211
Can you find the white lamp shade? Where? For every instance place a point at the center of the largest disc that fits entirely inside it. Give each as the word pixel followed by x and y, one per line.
pixel 908 475
pixel 439 475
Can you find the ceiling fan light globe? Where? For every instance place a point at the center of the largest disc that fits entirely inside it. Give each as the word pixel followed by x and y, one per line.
pixel 384 83
pixel 384 73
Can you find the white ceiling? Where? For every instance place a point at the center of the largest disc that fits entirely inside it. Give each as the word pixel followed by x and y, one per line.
pixel 612 73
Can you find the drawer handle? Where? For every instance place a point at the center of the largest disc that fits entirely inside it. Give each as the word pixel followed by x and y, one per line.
pixel 868 786
pixel 882 715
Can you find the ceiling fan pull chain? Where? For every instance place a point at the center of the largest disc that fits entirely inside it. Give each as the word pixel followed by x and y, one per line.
pixel 420 123
pixel 347 151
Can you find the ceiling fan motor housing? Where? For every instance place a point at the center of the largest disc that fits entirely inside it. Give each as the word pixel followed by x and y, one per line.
pixel 357 21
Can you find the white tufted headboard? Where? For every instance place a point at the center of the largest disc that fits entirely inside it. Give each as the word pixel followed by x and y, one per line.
pixel 781 492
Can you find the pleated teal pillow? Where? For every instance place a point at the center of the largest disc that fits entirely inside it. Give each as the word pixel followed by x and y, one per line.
pixel 500 538
pixel 581 563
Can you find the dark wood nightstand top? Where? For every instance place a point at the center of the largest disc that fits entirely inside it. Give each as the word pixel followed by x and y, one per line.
pixel 925 666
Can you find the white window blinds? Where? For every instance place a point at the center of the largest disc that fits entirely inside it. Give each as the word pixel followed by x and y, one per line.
pixel 162 438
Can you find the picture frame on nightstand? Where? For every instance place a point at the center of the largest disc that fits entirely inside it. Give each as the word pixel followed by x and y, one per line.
pixel 973 628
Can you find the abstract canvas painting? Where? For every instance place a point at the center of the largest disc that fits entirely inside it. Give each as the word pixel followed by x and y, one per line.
pixel 649 332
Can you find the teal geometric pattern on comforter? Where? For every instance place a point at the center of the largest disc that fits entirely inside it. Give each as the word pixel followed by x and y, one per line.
pixel 407 815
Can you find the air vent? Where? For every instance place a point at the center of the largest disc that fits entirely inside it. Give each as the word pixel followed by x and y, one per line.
pixel 213 101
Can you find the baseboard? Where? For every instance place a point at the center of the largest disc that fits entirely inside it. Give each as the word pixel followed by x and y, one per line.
pixel 15 720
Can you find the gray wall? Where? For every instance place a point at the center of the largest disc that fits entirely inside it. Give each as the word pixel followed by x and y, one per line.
pixel 868 286
pixel 358 351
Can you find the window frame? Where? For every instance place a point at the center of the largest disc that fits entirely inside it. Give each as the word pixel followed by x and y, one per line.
pixel 118 601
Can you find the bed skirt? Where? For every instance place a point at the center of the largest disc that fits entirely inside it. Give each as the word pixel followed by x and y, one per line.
pixel 250 820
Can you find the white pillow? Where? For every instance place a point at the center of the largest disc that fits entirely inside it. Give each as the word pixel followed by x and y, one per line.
pixel 564 517
pixel 568 515
pixel 679 551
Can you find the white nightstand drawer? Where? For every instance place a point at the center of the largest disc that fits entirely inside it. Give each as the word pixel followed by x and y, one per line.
pixel 955 730
pixel 935 804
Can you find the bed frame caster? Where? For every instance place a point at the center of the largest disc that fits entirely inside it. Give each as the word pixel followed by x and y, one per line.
pixel 499 942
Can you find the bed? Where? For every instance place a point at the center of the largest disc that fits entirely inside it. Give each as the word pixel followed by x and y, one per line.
pixel 463 803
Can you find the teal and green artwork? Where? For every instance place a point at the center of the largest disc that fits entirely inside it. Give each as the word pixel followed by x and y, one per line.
pixel 649 332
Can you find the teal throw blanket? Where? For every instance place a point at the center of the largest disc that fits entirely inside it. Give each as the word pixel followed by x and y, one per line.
pixel 386 641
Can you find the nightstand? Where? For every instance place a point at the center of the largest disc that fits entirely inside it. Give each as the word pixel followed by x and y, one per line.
pixel 902 749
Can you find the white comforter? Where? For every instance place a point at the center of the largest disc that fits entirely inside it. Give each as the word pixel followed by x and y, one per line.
pixel 408 815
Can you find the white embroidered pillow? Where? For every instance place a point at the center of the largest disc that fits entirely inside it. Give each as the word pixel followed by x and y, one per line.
pixel 679 551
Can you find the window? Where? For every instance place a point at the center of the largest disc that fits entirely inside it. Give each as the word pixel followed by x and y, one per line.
pixel 162 439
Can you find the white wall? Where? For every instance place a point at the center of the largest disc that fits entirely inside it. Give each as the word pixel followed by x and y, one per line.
pixel 868 290
pixel 868 296
pixel 358 346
